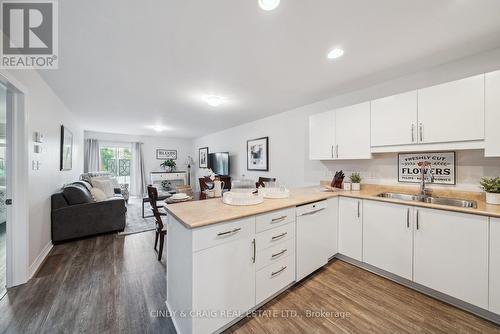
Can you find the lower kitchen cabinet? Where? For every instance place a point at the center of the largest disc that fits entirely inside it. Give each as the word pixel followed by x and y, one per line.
pixel 451 254
pixel 224 277
pixel 350 227
pixel 495 265
pixel 387 237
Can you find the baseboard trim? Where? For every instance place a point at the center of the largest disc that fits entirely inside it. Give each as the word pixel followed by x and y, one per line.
pixel 40 259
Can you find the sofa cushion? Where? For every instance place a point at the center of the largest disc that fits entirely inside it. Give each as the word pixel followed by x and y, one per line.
pixel 77 194
pixel 84 183
pixel 98 195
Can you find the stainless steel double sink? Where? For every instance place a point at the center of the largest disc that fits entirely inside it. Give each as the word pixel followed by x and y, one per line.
pixel 462 203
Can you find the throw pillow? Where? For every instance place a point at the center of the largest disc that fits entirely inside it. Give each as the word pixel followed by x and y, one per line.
pixel 104 185
pixel 98 195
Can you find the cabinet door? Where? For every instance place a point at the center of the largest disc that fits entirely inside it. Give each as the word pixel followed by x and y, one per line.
pixel 394 120
pixel 451 254
pixel 322 136
pixel 492 116
pixel 452 112
pixel 223 280
pixel 350 227
pixel 387 237
pixel 352 131
pixel 495 265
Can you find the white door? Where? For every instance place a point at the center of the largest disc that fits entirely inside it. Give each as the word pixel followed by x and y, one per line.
pixel 350 227
pixel 492 115
pixel 451 254
pixel 223 280
pixel 452 112
pixel 388 237
pixel 394 120
pixel 495 265
pixel 322 136
pixel 352 132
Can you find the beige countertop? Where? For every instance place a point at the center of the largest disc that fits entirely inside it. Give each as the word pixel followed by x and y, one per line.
pixel 201 213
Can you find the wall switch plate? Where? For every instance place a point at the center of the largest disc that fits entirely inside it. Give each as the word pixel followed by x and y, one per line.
pixel 37 149
pixel 37 137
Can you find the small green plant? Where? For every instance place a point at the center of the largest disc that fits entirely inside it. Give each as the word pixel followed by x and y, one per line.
pixel 490 184
pixel 355 178
pixel 168 164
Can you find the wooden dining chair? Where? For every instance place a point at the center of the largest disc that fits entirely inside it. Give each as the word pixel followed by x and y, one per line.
pixel 261 181
pixel 206 183
pixel 153 199
pixel 160 232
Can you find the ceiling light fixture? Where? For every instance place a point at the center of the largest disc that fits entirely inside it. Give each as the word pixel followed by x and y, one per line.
pixel 335 53
pixel 269 4
pixel 158 128
pixel 213 100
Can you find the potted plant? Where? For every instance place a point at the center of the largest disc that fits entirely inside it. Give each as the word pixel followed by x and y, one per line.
pixel 168 165
pixel 355 181
pixel 491 185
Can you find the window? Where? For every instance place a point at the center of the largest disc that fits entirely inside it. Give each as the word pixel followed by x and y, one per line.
pixel 117 161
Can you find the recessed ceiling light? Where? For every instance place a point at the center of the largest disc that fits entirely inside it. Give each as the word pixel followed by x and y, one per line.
pixel 269 4
pixel 158 128
pixel 213 100
pixel 335 53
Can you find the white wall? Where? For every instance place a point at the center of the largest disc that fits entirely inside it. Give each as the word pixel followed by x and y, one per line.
pixel 151 143
pixel 46 113
pixel 288 133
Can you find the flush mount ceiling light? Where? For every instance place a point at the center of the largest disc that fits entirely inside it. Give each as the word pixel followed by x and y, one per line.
pixel 335 53
pixel 269 4
pixel 213 100
pixel 158 128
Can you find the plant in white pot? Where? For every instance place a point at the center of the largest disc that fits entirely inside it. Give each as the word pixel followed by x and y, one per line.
pixel 355 181
pixel 492 187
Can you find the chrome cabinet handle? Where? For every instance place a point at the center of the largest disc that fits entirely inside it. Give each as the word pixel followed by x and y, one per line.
pixel 278 254
pixel 275 220
pixel 412 132
pixel 337 151
pixel 332 153
pixel 418 224
pixel 421 130
pixel 276 237
pixel 278 272
pixel 312 212
pixel 408 217
pixel 220 234
pixel 254 251
pixel 359 213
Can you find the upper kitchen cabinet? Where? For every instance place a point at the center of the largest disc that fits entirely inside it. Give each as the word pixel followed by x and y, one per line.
pixel 394 120
pixel 452 112
pixel 322 136
pixel 352 130
pixel 492 114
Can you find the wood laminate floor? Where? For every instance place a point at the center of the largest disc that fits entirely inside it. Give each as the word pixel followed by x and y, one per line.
pixel 114 284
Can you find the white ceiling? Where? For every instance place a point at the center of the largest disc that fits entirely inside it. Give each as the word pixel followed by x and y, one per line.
pixel 126 65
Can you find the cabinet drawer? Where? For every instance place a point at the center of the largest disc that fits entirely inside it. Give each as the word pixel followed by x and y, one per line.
pixel 274 219
pixel 220 233
pixel 274 253
pixel 273 278
pixel 274 236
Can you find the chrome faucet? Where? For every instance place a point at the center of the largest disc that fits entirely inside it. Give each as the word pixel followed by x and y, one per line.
pixel 427 176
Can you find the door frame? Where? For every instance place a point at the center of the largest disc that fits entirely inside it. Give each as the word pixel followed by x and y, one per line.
pixel 17 178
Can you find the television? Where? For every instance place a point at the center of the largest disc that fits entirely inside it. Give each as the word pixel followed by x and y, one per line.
pixel 219 163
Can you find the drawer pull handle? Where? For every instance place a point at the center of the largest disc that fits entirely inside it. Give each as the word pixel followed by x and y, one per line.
pixel 275 220
pixel 278 272
pixel 235 230
pixel 278 254
pixel 279 236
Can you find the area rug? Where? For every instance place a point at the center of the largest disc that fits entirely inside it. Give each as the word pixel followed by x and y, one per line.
pixel 135 223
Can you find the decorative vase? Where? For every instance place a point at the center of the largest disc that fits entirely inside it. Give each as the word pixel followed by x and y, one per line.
pixel 347 186
pixel 356 186
pixel 493 198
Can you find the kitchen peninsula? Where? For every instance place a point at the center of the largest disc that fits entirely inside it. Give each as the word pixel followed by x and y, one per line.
pixel 224 261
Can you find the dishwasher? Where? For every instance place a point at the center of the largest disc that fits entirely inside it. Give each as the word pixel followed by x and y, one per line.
pixel 314 232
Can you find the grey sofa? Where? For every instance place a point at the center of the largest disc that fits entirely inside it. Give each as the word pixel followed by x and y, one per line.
pixel 76 215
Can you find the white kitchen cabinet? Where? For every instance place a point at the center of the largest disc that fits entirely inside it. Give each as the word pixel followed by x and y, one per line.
pixel 394 120
pixel 495 265
pixel 350 227
pixel 322 136
pixel 452 112
pixel 352 132
pixel 451 254
pixel 492 114
pixel 224 280
pixel 387 237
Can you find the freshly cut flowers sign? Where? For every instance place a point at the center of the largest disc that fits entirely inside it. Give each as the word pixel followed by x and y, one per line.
pixel 442 165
